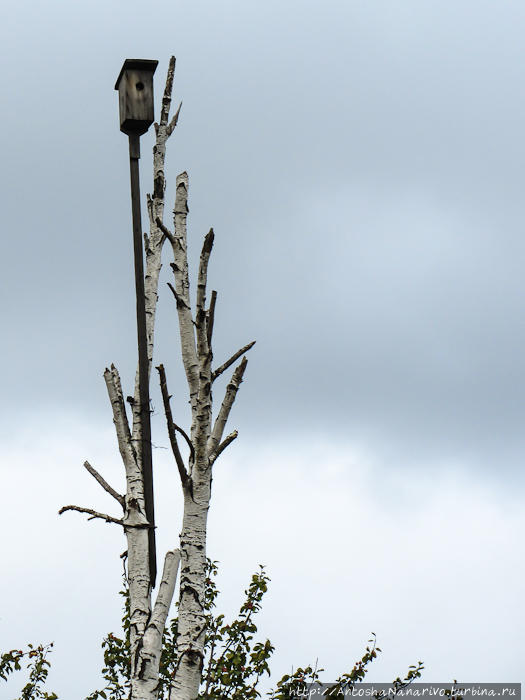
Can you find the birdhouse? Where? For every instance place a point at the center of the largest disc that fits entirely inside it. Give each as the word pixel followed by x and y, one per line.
pixel 135 91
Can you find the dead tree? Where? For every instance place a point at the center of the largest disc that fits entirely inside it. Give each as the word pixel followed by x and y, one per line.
pixel 205 440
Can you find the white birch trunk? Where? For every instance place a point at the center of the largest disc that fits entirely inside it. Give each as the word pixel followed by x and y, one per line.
pixel 195 337
pixel 196 353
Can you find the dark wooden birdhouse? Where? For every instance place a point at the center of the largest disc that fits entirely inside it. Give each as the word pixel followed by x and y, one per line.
pixel 135 91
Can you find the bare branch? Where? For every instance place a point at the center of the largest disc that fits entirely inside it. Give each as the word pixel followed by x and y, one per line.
pixel 180 301
pixel 166 589
pixel 157 237
pixel 200 317
pixel 182 287
pixel 166 98
pixel 173 122
pixel 210 317
pixel 216 373
pixel 156 202
pixel 227 403
pixel 92 513
pixel 165 231
pixel 149 648
pixel 224 444
pixel 186 437
pixel 104 484
pixel 171 426
pixel 120 418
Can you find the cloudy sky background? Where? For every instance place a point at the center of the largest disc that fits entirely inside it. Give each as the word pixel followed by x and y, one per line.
pixel 362 164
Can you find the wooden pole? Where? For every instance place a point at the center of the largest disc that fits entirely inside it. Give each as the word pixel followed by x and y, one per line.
pixel 147 470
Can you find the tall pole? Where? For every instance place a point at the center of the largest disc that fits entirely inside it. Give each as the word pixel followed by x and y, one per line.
pixel 145 418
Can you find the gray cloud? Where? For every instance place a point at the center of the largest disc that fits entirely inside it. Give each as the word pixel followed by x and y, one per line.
pixel 362 166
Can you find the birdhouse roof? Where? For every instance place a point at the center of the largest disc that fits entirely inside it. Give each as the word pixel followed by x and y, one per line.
pixel 136 64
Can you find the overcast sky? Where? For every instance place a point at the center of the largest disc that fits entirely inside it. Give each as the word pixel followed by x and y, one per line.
pixel 362 164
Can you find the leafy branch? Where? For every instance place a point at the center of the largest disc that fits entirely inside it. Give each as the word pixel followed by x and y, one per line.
pixel 234 661
pixel 35 660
